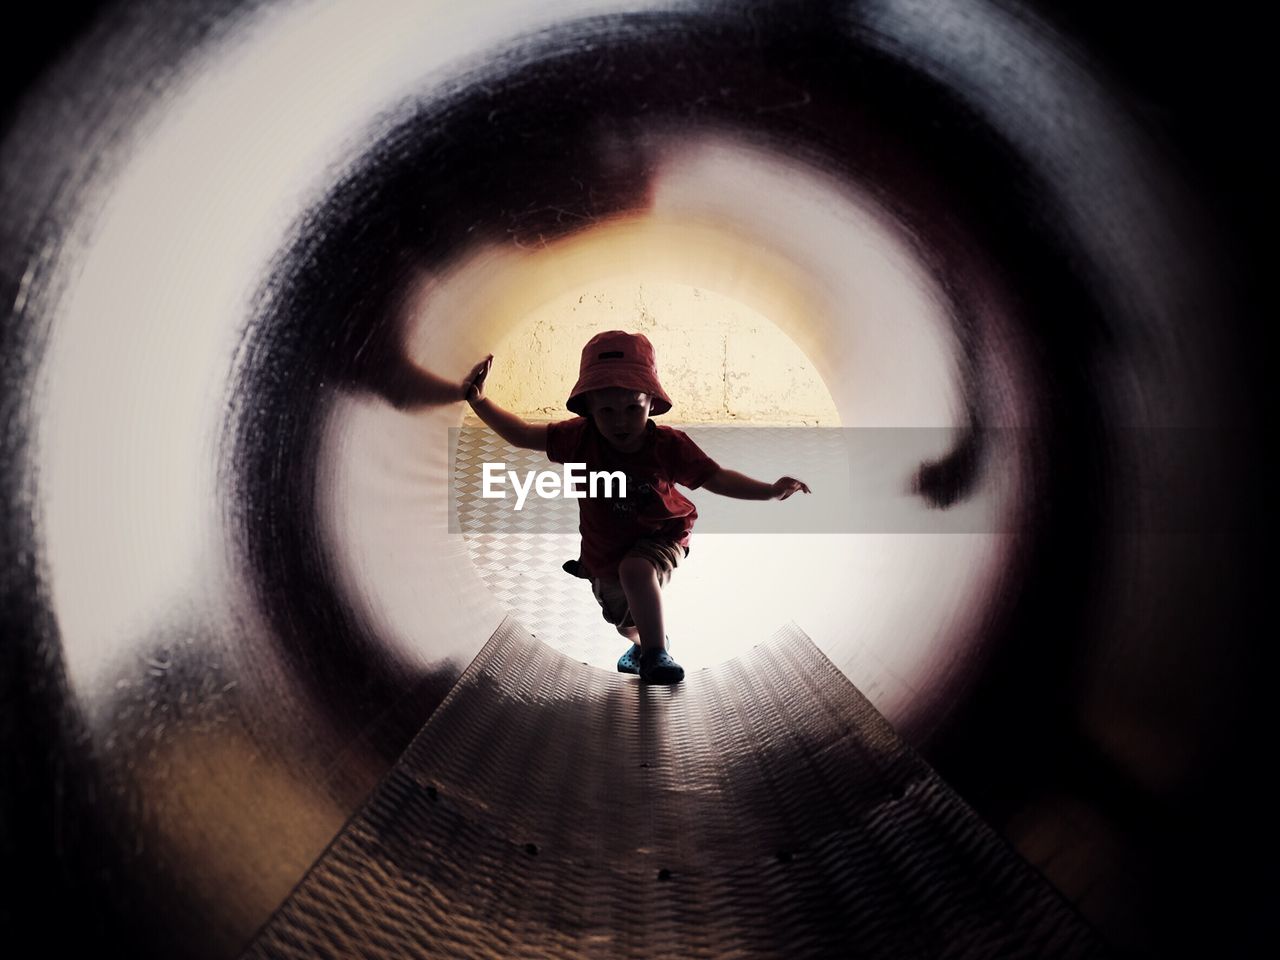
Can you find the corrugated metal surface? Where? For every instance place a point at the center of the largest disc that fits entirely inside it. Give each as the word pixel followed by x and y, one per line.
pixel 760 809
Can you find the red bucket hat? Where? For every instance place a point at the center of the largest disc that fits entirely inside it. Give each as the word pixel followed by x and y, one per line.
pixel 618 359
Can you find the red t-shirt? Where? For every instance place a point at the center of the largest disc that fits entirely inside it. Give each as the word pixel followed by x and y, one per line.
pixel 652 507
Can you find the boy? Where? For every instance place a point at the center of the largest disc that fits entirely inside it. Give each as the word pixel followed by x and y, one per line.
pixel 631 543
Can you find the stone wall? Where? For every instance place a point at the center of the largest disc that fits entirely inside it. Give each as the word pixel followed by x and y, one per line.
pixel 719 361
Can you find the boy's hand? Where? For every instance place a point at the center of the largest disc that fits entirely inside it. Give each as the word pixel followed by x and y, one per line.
pixel 473 385
pixel 784 487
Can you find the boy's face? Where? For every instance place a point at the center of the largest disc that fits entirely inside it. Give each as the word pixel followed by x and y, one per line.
pixel 620 415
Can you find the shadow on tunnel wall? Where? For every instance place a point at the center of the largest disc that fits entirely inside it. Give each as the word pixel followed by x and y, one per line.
pixel 554 143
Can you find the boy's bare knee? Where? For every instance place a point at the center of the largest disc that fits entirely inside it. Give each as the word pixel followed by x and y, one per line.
pixel 635 570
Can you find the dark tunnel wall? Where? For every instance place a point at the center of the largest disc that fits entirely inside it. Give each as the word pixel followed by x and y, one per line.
pixel 1109 731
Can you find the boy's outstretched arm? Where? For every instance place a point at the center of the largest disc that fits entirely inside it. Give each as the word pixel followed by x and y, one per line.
pixel 731 483
pixel 518 433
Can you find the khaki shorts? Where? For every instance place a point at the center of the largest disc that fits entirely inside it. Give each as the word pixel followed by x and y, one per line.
pixel 665 557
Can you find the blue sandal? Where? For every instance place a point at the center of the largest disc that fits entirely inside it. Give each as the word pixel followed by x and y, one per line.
pixel 656 666
pixel 629 662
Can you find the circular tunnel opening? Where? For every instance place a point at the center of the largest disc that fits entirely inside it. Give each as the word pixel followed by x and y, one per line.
pixel 690 274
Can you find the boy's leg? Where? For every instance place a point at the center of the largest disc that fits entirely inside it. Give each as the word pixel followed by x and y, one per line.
pixel 641 575
pixel 613 606
pixel 640 583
